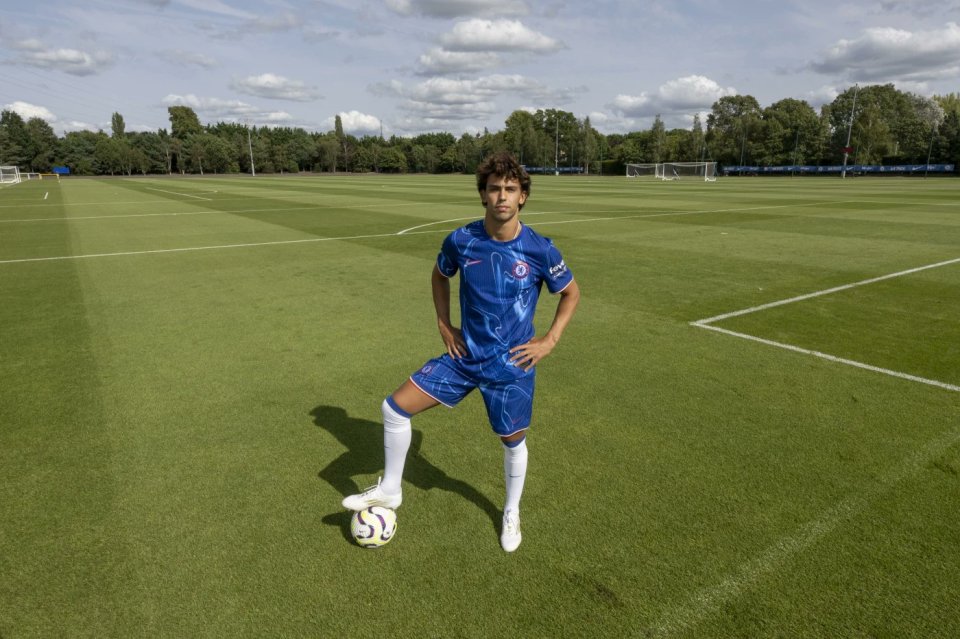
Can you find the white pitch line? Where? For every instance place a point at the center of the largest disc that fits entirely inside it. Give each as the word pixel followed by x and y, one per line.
pixel 828 291
pixel 833 358
pixel 394 234
pixel 707 324
pixel 150 188
pixel 456 219
pixel 193 248
pixel 709 601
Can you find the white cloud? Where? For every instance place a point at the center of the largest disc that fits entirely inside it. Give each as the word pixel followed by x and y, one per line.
pixel 227 110
pixel 610 123
pixel 72 61
pixel 275 87
pixel 691 92
pixel 458 8
pixel 442 99
pixel 26 111
pixel 681 96
pixel 356 123
pixel 823 95
pixel 440 61
pixel 74 125
pixel 888 54
pixel 631 103
pixel 497 35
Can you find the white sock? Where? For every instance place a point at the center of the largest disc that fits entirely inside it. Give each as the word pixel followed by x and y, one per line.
pixel 396 441
pixel 514 472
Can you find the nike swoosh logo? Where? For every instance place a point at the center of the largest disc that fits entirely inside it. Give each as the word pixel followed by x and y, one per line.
pixel 472 262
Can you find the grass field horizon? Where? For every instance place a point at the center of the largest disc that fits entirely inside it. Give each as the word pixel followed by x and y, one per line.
pixel 192 371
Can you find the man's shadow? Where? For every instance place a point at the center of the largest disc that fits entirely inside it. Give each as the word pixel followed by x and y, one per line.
pixel 364 456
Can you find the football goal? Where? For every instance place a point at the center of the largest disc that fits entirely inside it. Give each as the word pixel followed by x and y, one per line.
pixel 706 171
pixel 9 175
pixel 641 170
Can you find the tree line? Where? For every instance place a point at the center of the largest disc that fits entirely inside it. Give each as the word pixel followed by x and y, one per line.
pixel 884 126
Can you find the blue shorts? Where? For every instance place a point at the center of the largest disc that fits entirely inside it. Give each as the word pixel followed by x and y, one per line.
pixel 509 401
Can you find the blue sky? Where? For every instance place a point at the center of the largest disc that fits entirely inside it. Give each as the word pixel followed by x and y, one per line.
pixel 413 66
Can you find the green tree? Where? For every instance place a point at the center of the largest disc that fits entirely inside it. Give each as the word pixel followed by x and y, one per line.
pixel 886 122
pixel 393 160
pixel 792 132
pixel 41 146
pixel 117 125
pixel 732 127
pixel 148 154
pixel 872 135
pixel 183 122
pixel 78 152
pixel 108 154
pixel 468 153
pixel 657 141
pixel 16 140
pixel 589 145
pixel 692 147
pixel 327 152
pixel 950 103
pixel 521 135
pixel 946 145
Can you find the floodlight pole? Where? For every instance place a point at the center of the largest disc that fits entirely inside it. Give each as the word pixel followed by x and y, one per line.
pixel 846 153
pixel 796 145
pixel 556 147
pixel 253 170
pixel 933 134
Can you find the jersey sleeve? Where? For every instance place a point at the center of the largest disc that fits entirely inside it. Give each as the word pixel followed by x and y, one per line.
pixel 557 275
pixel 447 262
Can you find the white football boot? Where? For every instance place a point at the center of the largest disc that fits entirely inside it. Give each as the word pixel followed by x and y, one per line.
pixel 373 496
pixel 510 536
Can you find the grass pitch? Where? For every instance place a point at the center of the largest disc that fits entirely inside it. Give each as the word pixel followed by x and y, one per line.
pixel 192 369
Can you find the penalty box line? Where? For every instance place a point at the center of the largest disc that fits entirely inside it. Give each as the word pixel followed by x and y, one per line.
pixel 707 323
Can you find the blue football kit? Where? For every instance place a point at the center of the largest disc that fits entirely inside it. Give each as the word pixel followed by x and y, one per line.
pixel 500 284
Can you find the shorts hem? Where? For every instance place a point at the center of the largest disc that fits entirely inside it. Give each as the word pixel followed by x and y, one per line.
pixel 513 432
pixel 436 399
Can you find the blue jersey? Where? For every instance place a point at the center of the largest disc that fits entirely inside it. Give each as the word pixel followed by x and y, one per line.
pixel 500 284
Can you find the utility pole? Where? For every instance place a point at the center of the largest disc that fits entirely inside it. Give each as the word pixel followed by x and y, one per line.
pixel 253 170
pixel 556 147
pixel 933 134
pixel 846 149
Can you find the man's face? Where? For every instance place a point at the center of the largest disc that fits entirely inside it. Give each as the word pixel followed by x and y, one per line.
pixel 503 198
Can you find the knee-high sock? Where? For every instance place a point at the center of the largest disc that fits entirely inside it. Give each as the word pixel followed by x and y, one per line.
pixel 514 473
pixel 397 433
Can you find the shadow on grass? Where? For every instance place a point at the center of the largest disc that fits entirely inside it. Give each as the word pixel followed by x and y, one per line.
pixel 364 456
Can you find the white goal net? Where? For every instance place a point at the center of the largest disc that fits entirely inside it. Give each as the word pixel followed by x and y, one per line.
pixel 705 171
pixel 9 175
pixel 641 170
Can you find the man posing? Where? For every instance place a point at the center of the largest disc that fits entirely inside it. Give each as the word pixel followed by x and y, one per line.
pixel 503 265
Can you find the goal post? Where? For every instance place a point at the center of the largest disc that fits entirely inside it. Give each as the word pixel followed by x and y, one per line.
pixel 9 175
pixel 706 171
pixel 641 170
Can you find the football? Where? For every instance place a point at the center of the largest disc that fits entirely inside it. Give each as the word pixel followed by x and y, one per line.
pixel 373 527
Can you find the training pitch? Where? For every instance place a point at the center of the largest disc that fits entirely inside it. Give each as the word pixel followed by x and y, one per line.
pixel 751 428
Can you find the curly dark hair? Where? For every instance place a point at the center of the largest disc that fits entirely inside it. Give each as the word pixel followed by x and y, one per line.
pixel 504 165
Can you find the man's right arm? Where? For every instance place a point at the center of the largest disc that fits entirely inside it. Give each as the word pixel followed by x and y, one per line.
pixel 451 335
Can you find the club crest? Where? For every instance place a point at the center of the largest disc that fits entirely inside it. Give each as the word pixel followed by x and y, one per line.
pixel 520 269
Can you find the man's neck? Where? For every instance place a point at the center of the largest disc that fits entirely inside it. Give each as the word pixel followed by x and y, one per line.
pixel 502 232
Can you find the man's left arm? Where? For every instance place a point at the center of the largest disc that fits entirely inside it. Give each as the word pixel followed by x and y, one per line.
pixel 527 355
